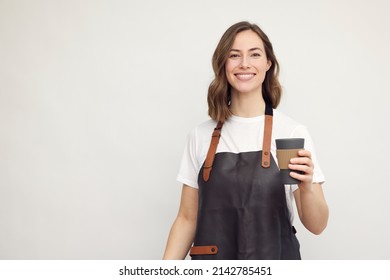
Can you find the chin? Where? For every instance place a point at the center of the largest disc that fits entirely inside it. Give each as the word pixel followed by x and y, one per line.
pixel 243 90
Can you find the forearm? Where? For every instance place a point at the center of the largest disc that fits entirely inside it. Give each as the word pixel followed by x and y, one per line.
pixel 180 239
pixel 314 210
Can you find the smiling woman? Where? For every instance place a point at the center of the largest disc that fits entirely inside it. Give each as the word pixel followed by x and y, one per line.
pixel 244 48
pixel 246 68
pixel 234 203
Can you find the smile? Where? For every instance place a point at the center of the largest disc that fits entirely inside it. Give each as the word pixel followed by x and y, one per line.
pixel 244 76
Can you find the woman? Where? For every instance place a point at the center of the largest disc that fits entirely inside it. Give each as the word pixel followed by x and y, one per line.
pixel 233 204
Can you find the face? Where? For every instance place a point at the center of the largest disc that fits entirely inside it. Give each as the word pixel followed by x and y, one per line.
pixel 247 63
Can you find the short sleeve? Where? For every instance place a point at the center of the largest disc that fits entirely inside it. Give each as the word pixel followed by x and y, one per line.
pixel 189 167
pixel 302 132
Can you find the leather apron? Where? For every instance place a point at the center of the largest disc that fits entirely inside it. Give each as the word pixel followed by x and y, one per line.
pixel 242 212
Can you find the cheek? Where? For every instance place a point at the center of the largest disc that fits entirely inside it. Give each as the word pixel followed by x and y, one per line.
pixel 264 66
pixel 229 66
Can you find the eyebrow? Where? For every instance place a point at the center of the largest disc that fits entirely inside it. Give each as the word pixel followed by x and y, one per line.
pixel 252 49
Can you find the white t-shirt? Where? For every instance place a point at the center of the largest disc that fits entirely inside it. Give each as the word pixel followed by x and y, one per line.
pixel 240 135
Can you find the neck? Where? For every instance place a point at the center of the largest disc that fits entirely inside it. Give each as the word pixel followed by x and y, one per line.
pixel 247 105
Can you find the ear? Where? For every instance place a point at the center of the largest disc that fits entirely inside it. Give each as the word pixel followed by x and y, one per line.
pixel 269 64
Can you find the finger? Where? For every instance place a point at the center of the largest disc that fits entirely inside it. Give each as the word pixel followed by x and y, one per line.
pixel 301 168
pixel 301 177
pixel 302 160
pixel 304 153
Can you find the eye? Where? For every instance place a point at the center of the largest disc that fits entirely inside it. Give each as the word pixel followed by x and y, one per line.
pixel 234 55
pixel 256 54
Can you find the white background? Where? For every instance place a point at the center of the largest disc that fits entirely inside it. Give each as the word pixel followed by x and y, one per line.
pixel 97 98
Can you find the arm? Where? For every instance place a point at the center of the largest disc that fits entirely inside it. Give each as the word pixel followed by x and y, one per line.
pixel 311 204
pixel 182 233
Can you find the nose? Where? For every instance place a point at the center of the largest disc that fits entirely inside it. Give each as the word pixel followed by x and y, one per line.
pixel 244 62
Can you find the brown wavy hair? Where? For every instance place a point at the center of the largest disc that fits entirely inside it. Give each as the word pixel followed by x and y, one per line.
pixel 219 96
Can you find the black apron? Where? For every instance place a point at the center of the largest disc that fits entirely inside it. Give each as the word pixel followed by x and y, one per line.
pixel 242 210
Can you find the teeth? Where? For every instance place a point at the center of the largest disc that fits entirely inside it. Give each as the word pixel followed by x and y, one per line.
pixel 244 76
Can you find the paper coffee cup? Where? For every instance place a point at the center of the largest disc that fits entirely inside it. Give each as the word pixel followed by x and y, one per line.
pixel 286 149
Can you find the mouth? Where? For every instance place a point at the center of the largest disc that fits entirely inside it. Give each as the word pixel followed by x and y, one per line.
pixel 244 76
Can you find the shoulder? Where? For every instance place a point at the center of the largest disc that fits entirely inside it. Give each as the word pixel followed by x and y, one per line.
pixel 282 119
pixel 285 125
pixel 203 129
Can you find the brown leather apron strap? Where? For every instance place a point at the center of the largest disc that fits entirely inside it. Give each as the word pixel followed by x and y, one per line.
pixel 266 153
pixel 204 250
pixel 208 165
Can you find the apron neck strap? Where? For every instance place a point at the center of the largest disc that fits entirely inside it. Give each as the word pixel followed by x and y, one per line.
pixel 208 164
pixel 266 153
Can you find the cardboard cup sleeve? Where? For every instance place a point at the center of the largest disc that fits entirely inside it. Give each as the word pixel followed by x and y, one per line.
pixel 286 149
